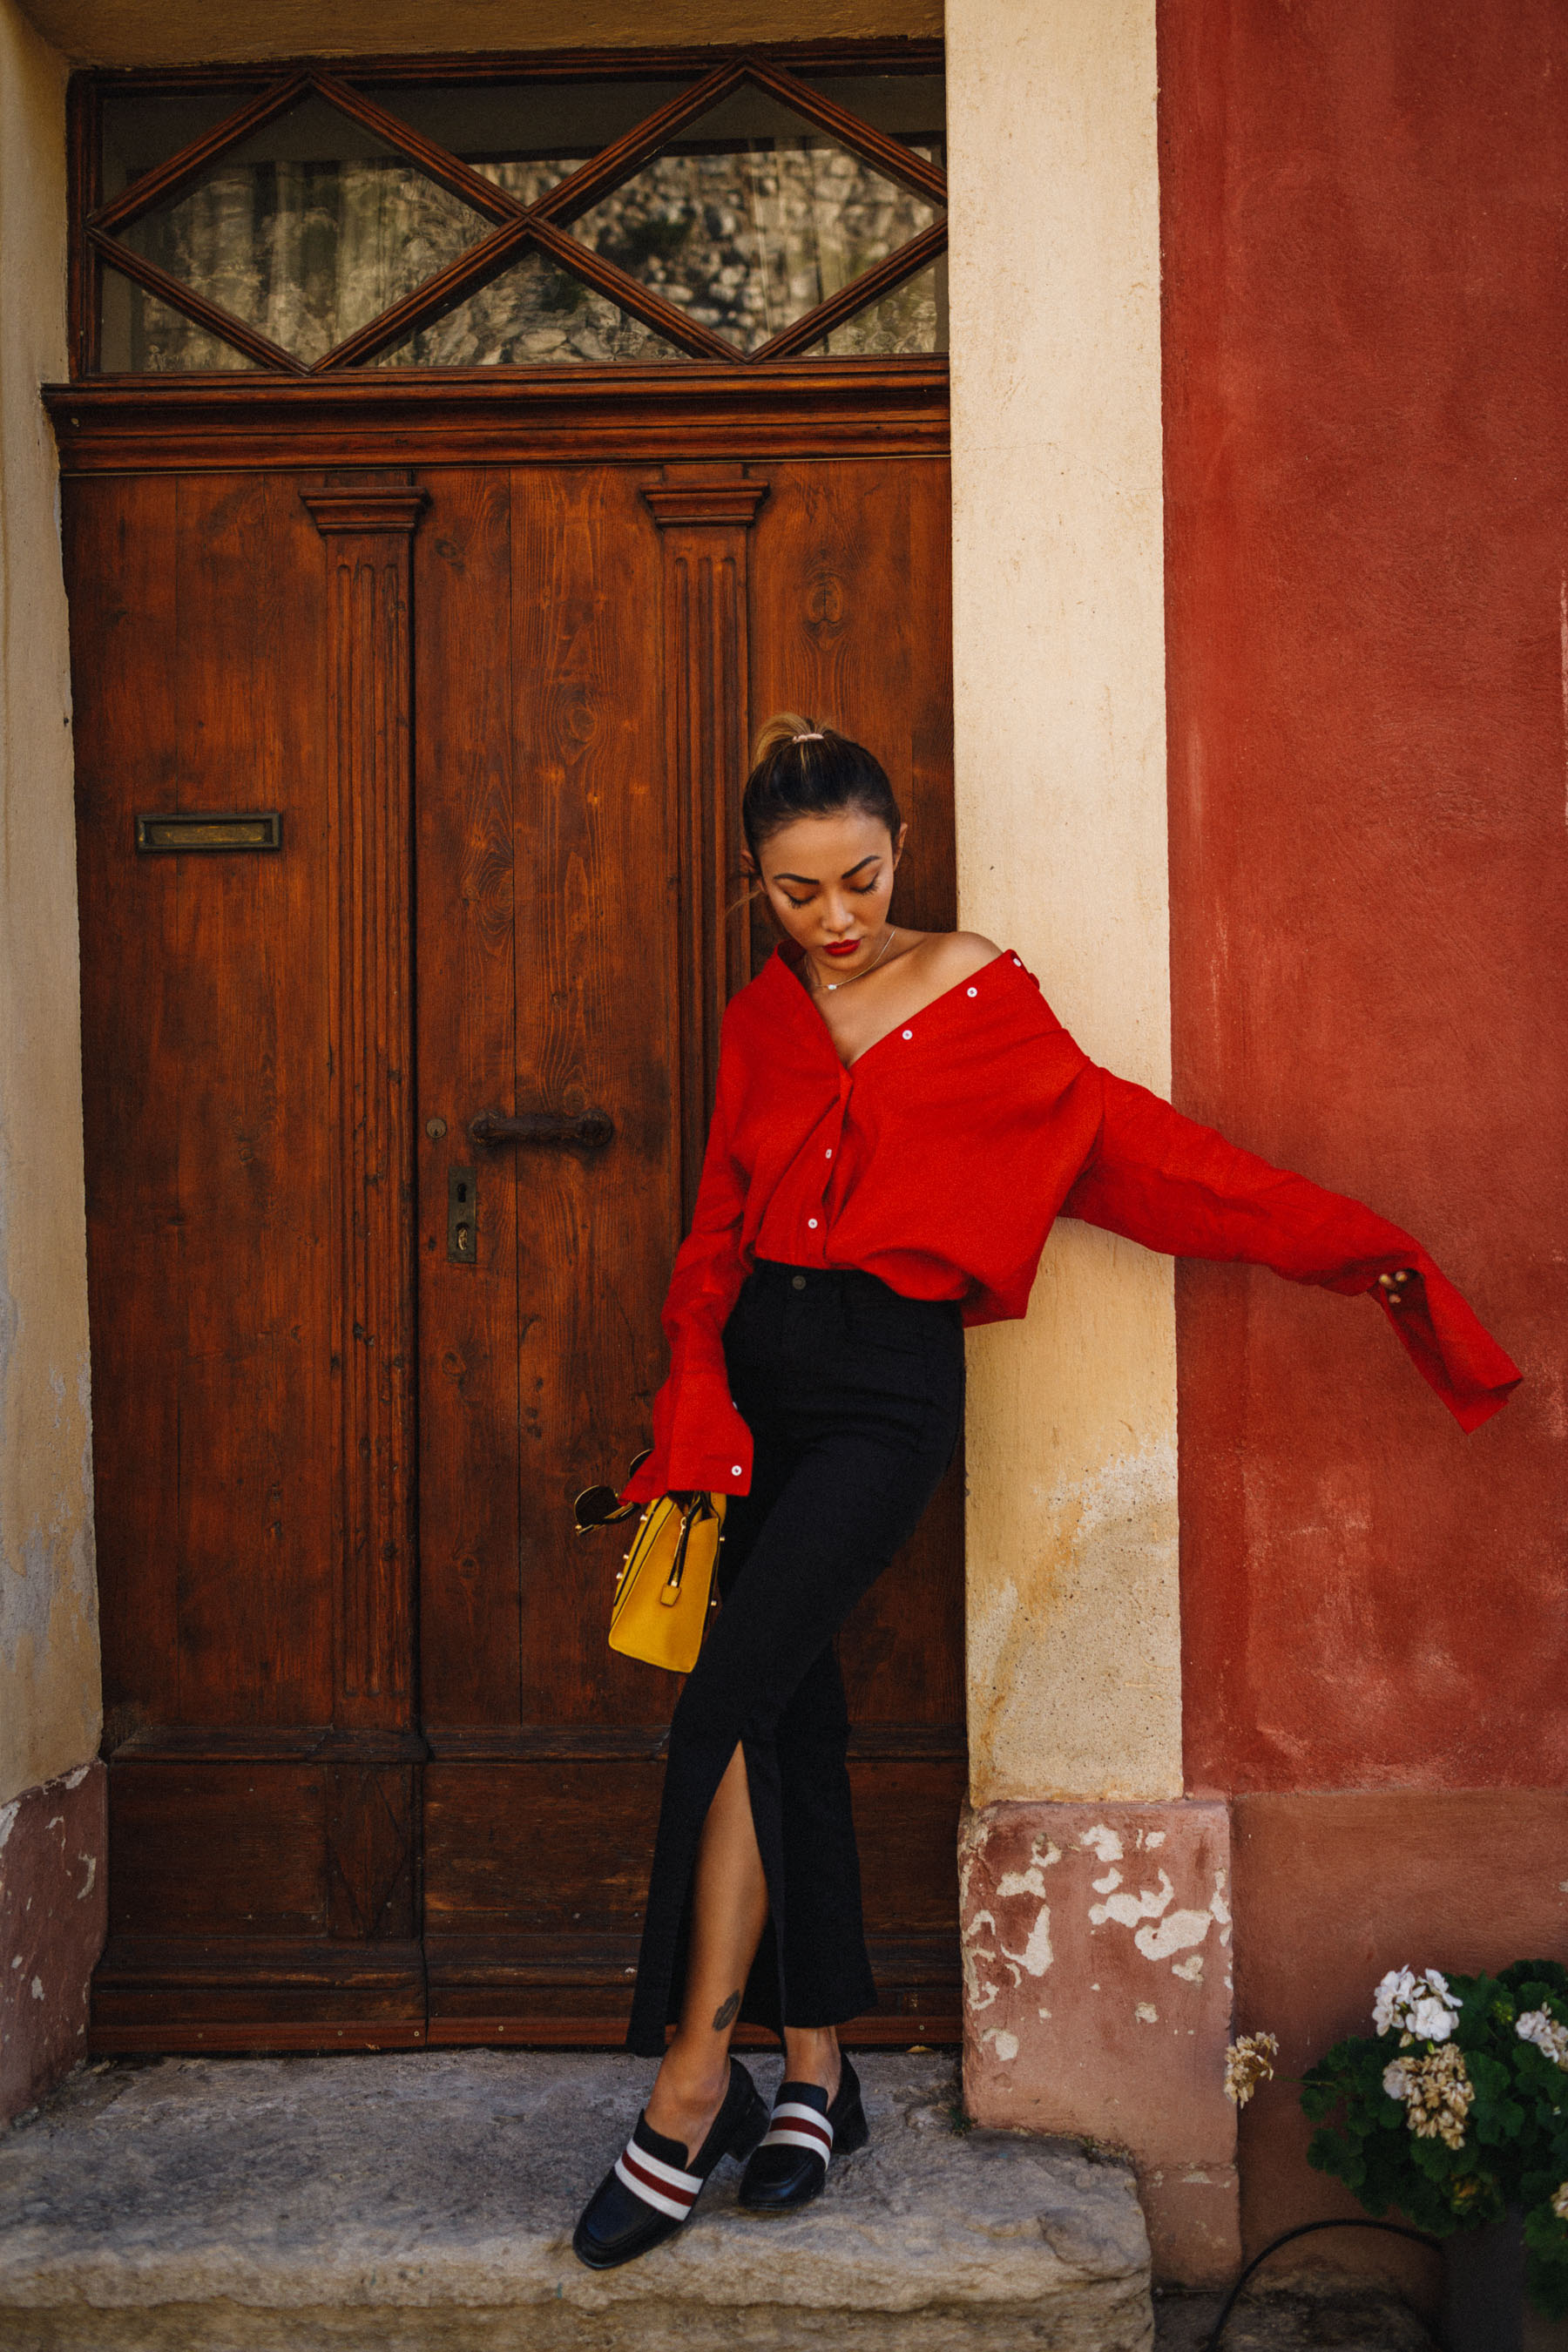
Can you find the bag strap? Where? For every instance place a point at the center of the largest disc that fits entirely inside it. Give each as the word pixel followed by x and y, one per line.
pixel 692 1512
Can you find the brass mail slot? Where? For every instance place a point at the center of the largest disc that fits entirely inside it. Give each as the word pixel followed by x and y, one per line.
pixel 262 829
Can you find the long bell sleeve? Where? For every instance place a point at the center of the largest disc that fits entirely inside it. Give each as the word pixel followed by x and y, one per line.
pixel 700 1441
pixel 1166 1180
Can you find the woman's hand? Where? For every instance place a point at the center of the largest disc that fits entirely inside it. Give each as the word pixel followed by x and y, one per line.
pixel 1393 1286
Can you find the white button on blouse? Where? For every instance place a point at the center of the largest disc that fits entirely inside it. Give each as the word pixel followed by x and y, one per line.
pixel 812 1223
pixel 974 991
pixel 908 1032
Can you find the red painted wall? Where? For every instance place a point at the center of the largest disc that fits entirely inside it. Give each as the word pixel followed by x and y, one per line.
pixel 1365 220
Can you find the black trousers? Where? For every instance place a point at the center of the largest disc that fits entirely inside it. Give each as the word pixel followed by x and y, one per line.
pixel 855 1399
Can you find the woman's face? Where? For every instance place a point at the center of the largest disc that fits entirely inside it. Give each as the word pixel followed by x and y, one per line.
pixel 828 880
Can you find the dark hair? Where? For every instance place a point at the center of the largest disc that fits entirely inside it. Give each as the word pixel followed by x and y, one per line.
pixel 801 767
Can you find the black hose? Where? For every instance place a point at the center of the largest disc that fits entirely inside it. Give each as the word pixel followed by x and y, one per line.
pixel 1304 2229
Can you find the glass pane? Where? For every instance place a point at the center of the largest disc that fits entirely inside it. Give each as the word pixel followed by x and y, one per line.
pixel 750 218
pixel 525 135
pixel 911 318
pixel 534 312
pixel 308 230
pixel 141 336
pixel 141 130
pixel 911 108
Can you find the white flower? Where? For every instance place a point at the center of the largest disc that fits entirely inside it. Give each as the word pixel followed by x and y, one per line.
pixel 1421 2006
pixel 1397 2080
pixel 1539 2026
pixel 1388 2001
pixel 1559 2202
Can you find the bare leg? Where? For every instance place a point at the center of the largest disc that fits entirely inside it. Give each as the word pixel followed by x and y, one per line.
pixel 811 2055
pixel 729 1910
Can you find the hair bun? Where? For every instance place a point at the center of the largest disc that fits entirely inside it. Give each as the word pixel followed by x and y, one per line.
pixel 783 726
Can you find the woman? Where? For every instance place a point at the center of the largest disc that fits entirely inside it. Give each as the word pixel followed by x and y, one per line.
pixel 899 1120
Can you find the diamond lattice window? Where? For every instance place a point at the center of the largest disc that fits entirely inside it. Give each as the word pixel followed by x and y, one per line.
pixel 753 218
pixel 320 225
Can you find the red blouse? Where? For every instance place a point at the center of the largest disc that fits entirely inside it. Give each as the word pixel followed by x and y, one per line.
pixel 939 1162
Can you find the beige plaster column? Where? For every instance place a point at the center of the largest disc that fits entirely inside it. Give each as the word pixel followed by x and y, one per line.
pixel 51 1795
pixel 1059 660
pixel 1073 1628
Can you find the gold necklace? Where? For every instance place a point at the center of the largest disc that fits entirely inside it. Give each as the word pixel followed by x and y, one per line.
pixel 833 986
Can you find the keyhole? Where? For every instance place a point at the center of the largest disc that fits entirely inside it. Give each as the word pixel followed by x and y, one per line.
pixel 462 1221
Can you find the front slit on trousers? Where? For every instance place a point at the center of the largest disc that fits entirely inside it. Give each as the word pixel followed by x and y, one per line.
pixel 855 1400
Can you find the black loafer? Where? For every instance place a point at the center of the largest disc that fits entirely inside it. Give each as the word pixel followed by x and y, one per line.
pixel 805 2131
pixel 648 2192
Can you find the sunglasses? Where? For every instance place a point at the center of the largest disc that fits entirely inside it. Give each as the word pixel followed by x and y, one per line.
pixel 601 1506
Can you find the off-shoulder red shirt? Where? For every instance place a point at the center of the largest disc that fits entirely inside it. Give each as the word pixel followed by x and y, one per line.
pixel 941 1160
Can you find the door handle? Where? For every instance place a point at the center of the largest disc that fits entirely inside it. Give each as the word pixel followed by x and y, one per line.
pixel 591 1130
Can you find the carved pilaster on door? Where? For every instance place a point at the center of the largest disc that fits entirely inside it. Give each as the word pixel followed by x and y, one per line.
pixel 368 530
pixel 704 517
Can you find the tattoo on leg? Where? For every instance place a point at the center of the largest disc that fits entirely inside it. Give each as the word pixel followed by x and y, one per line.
pixel 725 2014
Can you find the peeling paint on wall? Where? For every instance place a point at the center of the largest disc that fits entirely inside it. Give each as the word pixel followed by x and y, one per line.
pixel 1131 2046
pixel 53 1915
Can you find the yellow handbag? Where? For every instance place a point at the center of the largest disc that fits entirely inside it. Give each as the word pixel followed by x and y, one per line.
pixel 665 1587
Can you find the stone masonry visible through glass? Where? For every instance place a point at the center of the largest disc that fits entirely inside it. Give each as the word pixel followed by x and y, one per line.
pixel 747 234
pixel 745 222
pixel 535 313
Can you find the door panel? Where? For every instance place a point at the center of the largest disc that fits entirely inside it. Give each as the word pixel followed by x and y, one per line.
pixel 548 875
pixel 534 1876
pixel 204 1074
pixel 469 1406
pixel 559 800
pixel 541 1355
pixel 245 1878
pixel 597 1025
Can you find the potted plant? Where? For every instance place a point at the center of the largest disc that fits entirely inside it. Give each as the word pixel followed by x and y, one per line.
pixel 1454 2113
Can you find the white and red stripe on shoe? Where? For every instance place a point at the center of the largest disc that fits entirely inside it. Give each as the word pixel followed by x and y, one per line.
pixel 795 2125
pixel 663 2186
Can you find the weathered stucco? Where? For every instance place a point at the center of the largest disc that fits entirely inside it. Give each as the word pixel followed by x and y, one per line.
pixel 49 1704
pixel 1096 2000
pixel 54 1910
pixel 1074 1643
pixel 129 33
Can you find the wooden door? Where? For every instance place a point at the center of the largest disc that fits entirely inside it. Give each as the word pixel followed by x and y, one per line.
pixel 590 642
pixel 245 1028
pixel 375 1777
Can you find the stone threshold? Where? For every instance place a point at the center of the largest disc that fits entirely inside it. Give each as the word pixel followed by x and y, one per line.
pixel 412 2201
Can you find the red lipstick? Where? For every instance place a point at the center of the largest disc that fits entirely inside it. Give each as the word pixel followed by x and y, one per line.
pixel 844 947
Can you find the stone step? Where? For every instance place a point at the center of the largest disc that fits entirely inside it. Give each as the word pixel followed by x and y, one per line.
pixel 411 2203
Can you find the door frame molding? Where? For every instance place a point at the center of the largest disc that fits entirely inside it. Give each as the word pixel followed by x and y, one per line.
pixel 680 411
